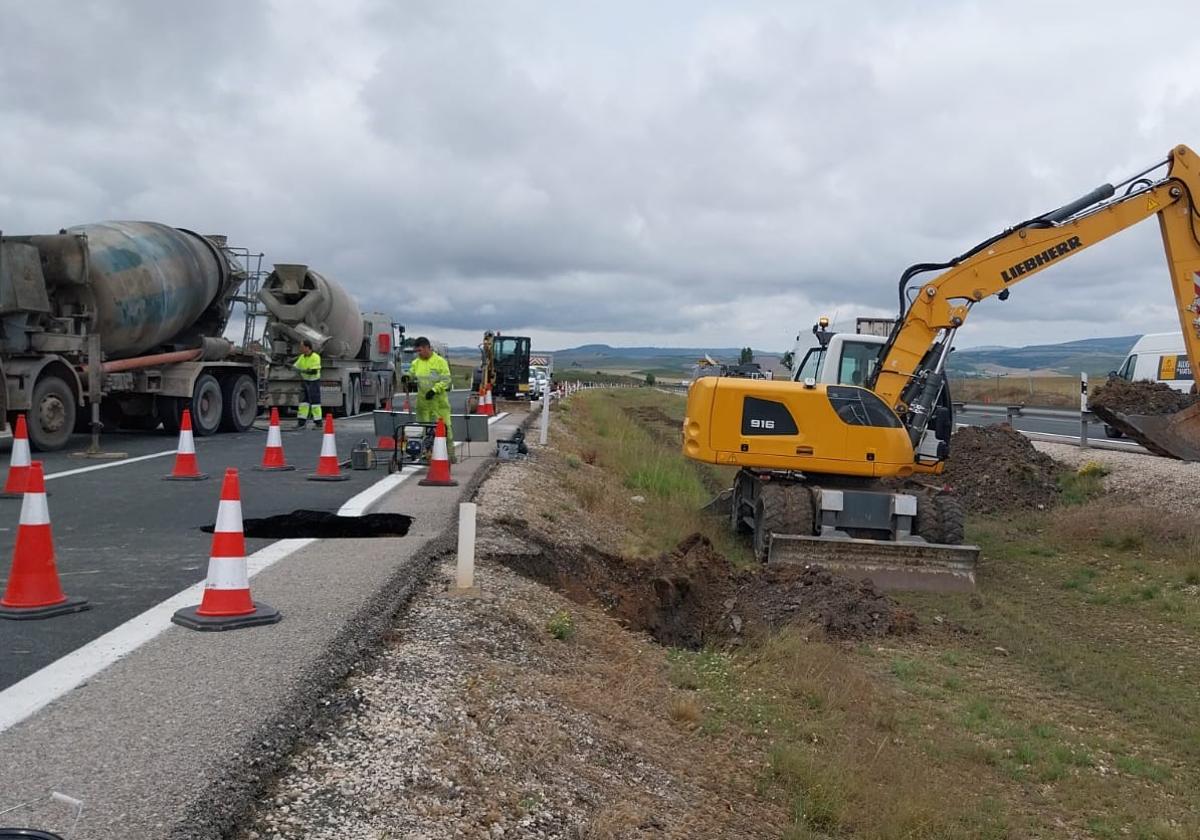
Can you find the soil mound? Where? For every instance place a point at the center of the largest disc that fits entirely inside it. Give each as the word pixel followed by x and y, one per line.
pixel 691 596
pixel 994 469
pixel 1123 397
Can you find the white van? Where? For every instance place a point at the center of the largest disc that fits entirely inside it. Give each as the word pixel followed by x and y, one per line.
pixel 1159 357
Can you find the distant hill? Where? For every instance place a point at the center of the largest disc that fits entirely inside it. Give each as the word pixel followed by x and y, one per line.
pixel 1094 355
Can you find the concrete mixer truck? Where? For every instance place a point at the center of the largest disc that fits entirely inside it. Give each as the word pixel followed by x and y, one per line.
pixel 358 350
pixel 121 321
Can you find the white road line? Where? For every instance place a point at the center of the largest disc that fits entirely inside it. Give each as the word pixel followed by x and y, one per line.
pixel 120 463
pixel 358 505
pixel 22 699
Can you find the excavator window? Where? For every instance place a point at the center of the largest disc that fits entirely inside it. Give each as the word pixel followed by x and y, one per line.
pixel 860 407
pixel 858 363
pixel 810 368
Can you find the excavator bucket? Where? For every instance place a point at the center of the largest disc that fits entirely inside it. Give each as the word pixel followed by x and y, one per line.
pixel 721 504
pixel 901 565
pixel 1171 435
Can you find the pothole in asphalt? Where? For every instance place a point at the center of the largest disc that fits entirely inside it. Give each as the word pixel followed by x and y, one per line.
pixel 321 524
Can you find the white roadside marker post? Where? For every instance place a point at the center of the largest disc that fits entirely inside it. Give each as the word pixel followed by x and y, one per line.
pixel 464 572
pixel 544 428
pixel 1083 407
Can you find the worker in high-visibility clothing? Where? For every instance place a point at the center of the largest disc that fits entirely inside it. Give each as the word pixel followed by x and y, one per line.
pixel 431 375
pixel 309 365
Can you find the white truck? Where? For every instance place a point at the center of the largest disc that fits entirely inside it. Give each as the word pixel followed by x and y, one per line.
pixel 1159 357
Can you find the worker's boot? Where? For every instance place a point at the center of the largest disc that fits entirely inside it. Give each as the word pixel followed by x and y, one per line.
pixel 318 424
pixel 301 422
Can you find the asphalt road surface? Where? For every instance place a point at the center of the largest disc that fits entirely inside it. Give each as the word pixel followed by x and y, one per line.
pixel 1064 427
pixel 126 539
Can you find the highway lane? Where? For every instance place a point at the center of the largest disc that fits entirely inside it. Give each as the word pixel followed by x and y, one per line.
pixel 125 539
pixel 1065 426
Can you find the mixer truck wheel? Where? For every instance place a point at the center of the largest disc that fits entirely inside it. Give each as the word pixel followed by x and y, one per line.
pixel 241 403
pixel 352 399
pixel 207 405
pixel 51 415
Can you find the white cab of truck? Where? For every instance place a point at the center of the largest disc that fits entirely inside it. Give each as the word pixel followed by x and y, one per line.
pixel 1159 357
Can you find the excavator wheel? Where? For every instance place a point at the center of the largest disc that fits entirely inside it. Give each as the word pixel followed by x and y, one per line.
pixel 737 521
pixel 781 509
pixel 941 519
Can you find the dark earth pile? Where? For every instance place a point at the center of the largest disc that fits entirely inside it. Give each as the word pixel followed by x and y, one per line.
pixel 994 469
pixel 1124 397
pixel 691 596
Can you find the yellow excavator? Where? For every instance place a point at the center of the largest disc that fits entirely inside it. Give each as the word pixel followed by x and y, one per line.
pixel 821 463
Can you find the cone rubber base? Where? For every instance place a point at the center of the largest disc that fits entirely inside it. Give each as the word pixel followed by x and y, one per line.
pixel 284 468
pixel 315 477
pixel 263 614
pixel 71 605
pixel 200 477
pixel 425 482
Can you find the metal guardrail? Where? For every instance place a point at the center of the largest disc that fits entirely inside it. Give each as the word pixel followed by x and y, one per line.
pixel 1012 412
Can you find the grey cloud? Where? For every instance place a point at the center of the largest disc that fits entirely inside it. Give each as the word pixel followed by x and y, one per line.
pixel 693 173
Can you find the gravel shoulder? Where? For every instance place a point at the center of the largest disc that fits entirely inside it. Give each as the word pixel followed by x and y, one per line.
pixel 474 720
pixel 1151 481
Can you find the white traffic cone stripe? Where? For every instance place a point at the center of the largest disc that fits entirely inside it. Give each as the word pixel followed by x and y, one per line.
pixel 274 439
pixel 20 452
pixel 34 510
pixel 439 449
pixel 187 446
pixel 229 517
pixel 227 573
pixel 328 446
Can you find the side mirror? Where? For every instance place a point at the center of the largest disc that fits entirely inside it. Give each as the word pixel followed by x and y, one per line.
pixel 1112 374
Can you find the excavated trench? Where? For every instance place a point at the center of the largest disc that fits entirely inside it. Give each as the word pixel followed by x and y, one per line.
pixel 691 596
pixel 320 524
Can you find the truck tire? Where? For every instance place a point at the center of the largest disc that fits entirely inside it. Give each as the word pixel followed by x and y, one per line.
pixel 207 405
pixel 240 403
pixel 51 414
pixel 352 399
pixel 169 410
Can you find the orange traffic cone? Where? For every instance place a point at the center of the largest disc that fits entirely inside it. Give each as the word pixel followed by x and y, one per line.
pixel 273 460
pixel 481 400
pixel 226 604
pixel 489 407
pixel 18 465
pixel 185 455
pixel 439 464
pixel 33 589
pixel 327 464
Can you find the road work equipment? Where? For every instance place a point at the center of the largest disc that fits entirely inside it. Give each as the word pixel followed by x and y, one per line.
pixel 358 350
pixel 327 465
pixel 439 462
pixel 504 365
pixel 33 589
pixel 186 468
pixel 812 453
pixel 226 604
pixel 18 465
pixel 273 460
pixel 124 316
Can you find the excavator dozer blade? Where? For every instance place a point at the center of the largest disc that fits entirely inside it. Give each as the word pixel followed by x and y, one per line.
pixel 721 505
pixel 1171 435
pixel 916 565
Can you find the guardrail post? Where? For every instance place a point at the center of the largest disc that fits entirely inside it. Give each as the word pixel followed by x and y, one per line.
pixel 544 429
pixel 1083 410
pixel 1011 412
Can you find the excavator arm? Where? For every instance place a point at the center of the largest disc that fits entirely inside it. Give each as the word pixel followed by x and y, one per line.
pixel 910 375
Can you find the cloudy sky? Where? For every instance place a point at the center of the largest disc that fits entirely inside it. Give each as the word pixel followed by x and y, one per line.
pixel 675 172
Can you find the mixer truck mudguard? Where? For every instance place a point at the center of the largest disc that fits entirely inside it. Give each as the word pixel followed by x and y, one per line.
pixel 120 322
pixel 358 350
